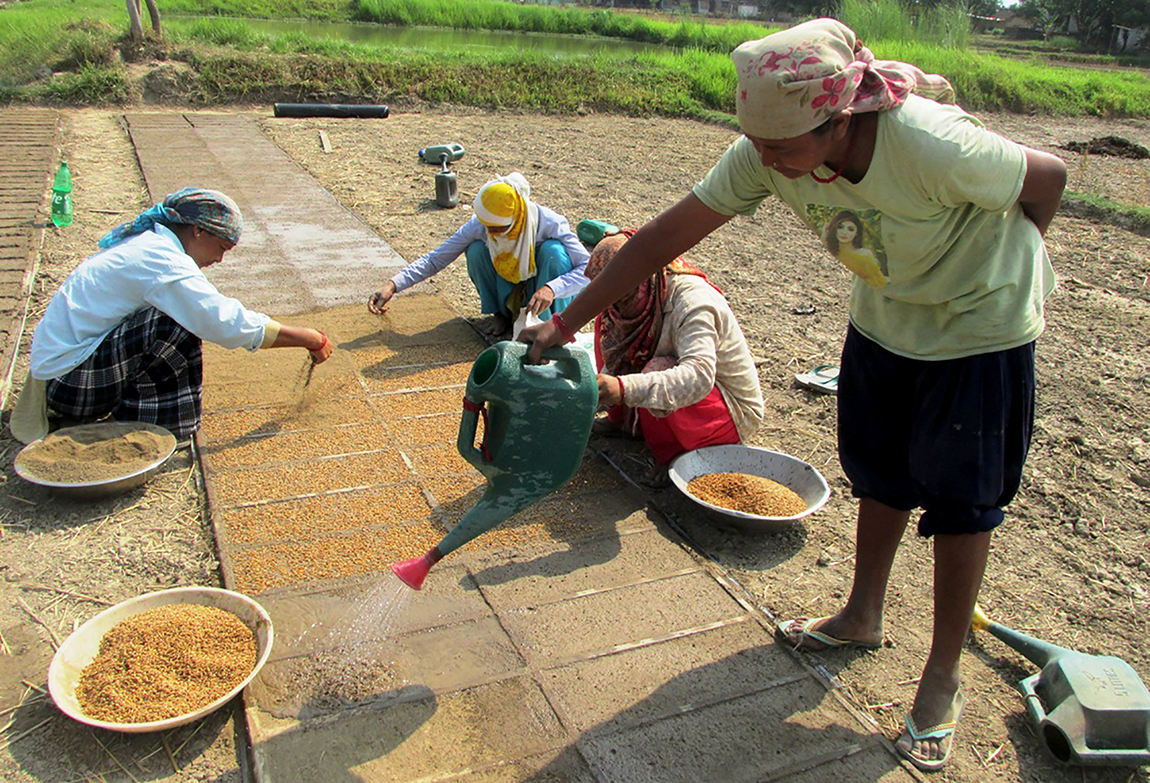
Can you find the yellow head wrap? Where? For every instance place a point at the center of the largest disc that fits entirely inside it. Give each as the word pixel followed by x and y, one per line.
pixel 505 202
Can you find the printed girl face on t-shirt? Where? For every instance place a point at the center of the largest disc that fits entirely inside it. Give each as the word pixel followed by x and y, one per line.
pixel 847 233
pixel 844 230
pixel 854 238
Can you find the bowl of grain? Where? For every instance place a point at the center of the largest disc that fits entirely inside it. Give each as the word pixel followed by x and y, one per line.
pixel 750 488
pixel 98 460
pixel 160 660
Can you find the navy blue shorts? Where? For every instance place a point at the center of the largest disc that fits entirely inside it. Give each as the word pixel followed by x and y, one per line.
pixel 949 437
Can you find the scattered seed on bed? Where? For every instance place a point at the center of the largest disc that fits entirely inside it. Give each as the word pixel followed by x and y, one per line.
pixel 424 430
pixel 308 445
pixel 302 521
pixel 277 482
pixel 439 459
pixel 275 391
pixel 166 662
pixel 367 550
pixel 376 362
pixel 748 494
pixel 421 377
pixel 402 405
pixel 227 426
pixel 449 490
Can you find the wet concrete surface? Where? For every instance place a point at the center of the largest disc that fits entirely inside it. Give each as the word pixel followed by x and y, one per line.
pixel 301 250
pixel 582 640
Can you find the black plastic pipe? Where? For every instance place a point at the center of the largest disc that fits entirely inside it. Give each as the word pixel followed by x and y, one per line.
pixel 329 110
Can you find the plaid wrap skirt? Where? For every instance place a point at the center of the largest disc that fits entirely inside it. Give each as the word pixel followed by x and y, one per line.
pixel 149 368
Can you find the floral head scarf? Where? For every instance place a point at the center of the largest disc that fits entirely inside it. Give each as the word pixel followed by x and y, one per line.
pixel 791 82
pixel 209 209
pixel 627 332
pixel 505 202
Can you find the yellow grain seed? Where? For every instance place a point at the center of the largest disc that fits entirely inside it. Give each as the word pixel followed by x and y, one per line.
pixel 429 378
pixel 166 662
pixel 748 494
pixel 404 404
pixel 298 445
pixel 238 486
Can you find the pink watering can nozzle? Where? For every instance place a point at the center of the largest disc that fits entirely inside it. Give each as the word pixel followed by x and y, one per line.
pixel 412 572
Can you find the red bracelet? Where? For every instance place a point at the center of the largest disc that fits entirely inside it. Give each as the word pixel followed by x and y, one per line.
pixel 323 344
pixel 622 392
pixel 563 328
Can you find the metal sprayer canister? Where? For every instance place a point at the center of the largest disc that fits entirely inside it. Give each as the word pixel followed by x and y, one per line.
pixel 446 187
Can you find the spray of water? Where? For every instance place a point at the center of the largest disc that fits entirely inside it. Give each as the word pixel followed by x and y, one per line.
pixel 372 616
pixel 353 662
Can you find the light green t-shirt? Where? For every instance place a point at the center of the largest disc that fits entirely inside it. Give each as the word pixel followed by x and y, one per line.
pixel 946 264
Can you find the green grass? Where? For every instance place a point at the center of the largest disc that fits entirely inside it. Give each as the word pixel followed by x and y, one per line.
pixel 82 40
pixel 983 81
pixel 944 25
pixel 331 10
pixel 1129 216
pixel 34 38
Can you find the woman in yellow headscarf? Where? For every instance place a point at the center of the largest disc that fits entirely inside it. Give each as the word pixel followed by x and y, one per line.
pixel 519 255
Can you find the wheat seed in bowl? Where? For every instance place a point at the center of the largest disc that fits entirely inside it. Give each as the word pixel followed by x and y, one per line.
pixel 747 494
pixel 166 662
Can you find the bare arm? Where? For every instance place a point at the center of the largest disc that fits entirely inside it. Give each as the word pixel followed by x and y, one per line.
pixel 1042 188
pixel 302 337
pixel 673 232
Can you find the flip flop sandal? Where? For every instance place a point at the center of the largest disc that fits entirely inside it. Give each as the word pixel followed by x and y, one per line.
pixel 789 630
pixel 824 378
pixel 941 731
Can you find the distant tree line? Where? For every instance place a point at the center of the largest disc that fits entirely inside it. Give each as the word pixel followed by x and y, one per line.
pixel 1097 23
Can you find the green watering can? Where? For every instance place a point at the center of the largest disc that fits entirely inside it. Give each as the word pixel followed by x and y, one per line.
pixel 536 422
pixel 1088 709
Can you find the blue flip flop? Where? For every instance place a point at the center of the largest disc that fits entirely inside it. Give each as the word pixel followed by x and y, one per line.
pixel 940 731
pixel 824 378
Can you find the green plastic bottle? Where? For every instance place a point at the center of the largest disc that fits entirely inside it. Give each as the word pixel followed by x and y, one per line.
pixel 591 232
pixel 62 196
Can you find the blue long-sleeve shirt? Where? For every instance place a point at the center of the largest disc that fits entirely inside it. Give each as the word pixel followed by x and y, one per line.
pixel 551 225
pixel 147 270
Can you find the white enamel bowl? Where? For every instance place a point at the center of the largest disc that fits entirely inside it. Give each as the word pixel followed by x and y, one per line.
pixel 79 649
pixel 789 471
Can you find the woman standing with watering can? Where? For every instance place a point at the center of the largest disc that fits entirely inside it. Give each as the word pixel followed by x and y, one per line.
pixel 936 397
pixel 519 254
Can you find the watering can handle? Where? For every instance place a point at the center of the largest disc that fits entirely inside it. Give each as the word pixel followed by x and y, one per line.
pixel 556 353
pixel 1033 702
pixel 467 427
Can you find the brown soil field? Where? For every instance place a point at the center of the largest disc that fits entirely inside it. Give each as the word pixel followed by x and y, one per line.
pixel 1071 565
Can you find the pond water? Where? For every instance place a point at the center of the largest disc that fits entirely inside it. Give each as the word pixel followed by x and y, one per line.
pixel 445 39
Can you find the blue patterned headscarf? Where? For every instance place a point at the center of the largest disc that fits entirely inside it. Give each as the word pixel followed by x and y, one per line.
pixel 209 209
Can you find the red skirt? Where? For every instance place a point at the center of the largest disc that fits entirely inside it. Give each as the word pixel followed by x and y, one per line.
pixel 706 423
